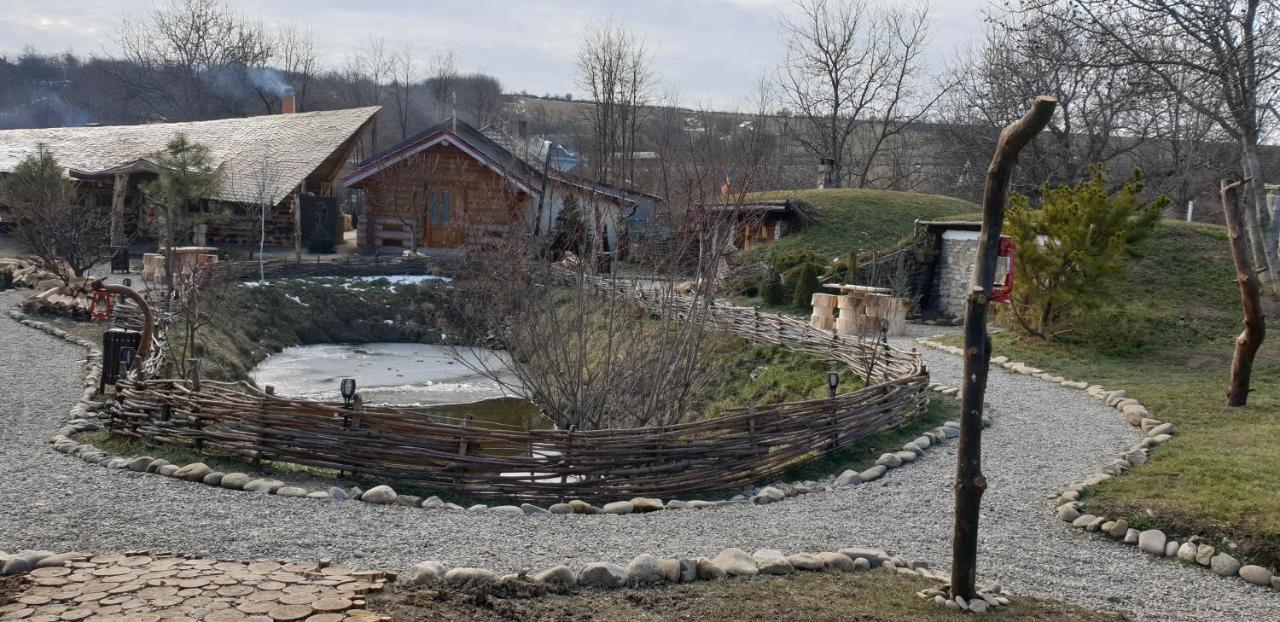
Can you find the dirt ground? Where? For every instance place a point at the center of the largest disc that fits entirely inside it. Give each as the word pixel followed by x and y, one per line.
pixel 827 596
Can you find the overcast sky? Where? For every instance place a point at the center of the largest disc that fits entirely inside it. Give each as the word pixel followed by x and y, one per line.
pixel 708 51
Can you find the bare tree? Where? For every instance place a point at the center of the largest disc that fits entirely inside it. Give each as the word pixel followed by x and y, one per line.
pixel 66 234
pixel 295 53
pixel 260 186
pixel 365 74
pixel 1233 45
pixel 1255 325
pixel 615 69
pixel 404 76
pixel 851 79
pixel 187 60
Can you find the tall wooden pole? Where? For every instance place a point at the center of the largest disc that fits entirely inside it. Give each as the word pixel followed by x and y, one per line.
pixel 970 482
pixel 1255 327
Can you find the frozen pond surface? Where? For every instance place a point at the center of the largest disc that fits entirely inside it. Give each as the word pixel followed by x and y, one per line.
pixel 397 374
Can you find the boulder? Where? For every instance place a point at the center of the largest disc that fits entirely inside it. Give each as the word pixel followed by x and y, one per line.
pixel 848 478
pixel 873 557
pixel 906 456
pixel 582 507
pixel 889 461
pixel 688 570
pixel 676 504
pixel 235 481
pixel 558 508
pixel 872 473
pixel 1205 554
pixel 923 442
pixel 708 570
pixel 556 575
pixel 1256 575
pixel 507 509
pixel 1152 541
pixel 806 561
pixel 1084 520
pixel 155 466
pixel 670 570
pixel 264 486
pixel 1187 552
pixel 410 501
pixel 213 479
pixel 167 470
pixel 1171 548
pixel 1224 565
pixel 645 568
pixel 423 573
pixel 338 494
pixel 735 563
pixel 1131 536
pixel 772 493
pixel 1068 512
pixel 533 510
pixel 61 559
pixel 601 574
pixel 193 472
pixel 140 464
pixel 646 504
pixel 836 561
pixel 432 502
pixel 380 495
pixel 618 507
pixel 770 561
pixel 291 491
pixel 478 576
pixel 1164 428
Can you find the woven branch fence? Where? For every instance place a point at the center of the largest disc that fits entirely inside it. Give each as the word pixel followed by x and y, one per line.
pixel 420 446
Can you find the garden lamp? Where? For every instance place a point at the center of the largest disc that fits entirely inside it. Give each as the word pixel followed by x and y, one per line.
pixel 348 390
pixel 833 381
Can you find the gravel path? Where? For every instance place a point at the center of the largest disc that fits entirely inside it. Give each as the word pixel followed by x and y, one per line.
pixel 1044 437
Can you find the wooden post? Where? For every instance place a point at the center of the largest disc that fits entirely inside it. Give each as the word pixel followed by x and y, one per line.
pixel 297 227
pixel 118 193
pixel 970 483
pixel 1255 327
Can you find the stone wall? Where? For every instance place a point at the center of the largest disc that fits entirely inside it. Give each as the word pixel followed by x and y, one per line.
pixel 954 272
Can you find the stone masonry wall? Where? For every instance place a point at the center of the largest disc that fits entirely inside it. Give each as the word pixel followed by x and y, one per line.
pixel 954 274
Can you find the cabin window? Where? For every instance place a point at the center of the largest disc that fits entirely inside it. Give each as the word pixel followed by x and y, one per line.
pixel 441 203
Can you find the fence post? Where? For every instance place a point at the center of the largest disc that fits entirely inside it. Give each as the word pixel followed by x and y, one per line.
pixel 196 422
pixel 568 460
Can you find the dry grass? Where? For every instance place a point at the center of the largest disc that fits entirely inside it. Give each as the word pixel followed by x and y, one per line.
pixel 827 596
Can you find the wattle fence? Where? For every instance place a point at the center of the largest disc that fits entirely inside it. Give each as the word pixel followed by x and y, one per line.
pixel 418 446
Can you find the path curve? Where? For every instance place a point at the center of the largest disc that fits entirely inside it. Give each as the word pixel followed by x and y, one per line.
pixel 1044 438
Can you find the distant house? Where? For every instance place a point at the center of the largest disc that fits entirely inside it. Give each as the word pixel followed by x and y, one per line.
pixel 453 186
pixel 760 222
pixel 273 159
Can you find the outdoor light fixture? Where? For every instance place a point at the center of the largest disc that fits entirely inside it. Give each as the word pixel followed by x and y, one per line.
pixel 833 381
pixel 126 356
pixel 348 390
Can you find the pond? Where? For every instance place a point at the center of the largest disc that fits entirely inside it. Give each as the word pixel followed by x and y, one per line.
pixel 400 374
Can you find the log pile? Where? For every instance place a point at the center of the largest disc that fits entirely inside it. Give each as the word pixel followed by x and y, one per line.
pixel 58 298
pixel 27 272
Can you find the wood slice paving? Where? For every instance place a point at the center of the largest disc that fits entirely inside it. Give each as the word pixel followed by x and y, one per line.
pixel 145 587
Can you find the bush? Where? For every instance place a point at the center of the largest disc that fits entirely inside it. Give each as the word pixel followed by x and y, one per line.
pixel 321 242
pixel 807 285
pixel 771 289
pixel 6 280
pixel 1072 248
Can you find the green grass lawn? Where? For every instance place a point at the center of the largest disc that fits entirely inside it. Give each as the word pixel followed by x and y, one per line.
pixel 1168 340
pixel 862 220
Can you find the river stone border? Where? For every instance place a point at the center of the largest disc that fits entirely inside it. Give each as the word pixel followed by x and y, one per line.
pixel 646 569
pixel 1069 504
pixel 84 416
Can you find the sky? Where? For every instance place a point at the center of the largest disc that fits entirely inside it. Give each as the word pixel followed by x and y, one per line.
pixel 706 52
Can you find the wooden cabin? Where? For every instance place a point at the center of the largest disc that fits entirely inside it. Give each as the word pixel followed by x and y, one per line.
pixel 453 186
pixel 760 222
pixel 288 161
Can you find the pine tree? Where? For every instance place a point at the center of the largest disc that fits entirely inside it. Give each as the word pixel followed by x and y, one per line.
pixel 1072 247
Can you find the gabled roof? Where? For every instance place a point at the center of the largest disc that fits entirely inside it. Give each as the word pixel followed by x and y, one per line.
pixel 293 146
pixel 465 138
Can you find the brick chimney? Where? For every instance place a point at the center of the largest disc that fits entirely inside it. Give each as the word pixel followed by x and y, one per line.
pixel 288 104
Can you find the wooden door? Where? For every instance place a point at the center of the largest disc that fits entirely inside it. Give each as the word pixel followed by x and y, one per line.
pixel 444 229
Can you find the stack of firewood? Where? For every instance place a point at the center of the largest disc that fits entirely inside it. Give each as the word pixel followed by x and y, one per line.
pixel 60 298
pixel 27 272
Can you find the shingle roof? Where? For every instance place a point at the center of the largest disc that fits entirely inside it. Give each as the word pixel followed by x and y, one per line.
pixel 293 145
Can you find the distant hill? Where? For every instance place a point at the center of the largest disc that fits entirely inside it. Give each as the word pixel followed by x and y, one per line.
pixel 864 220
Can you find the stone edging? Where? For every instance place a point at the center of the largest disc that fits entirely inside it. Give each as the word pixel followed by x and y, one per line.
pixel 1070 508
pixel 646 569
pixel 82 418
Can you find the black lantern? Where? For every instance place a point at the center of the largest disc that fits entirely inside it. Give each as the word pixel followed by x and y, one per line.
pixel 833 381
pixel 348 390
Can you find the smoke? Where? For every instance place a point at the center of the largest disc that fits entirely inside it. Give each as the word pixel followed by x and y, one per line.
pixel 240 83
pixel 269 80
pixel 44 109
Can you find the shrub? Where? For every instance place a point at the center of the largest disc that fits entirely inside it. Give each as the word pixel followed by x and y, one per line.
pixel 806 278
pixel 771 289
pixel 1072 248
pixel 321 242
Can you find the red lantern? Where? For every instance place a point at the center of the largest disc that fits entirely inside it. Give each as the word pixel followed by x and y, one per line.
pixel 1003 286
pixel 100 305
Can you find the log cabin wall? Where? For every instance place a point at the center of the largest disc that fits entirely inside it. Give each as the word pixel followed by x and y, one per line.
pixel 484 205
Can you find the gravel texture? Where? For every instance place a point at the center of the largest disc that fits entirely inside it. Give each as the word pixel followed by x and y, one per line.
pixel 1044 438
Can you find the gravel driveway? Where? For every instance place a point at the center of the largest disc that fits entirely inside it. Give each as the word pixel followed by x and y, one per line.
pixel 1044 438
